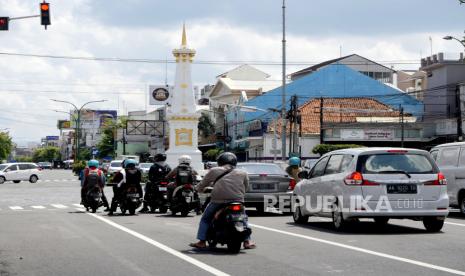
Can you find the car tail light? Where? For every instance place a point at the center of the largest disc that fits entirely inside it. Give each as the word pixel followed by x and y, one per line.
pixel 441 180
pixel 263 175
pixel 356 178
pixel 235 208
pixel 188 186
pixel 292 184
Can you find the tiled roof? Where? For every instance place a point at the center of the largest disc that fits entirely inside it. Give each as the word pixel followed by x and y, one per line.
pixel 340 110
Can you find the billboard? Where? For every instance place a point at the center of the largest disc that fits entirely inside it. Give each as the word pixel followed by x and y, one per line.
pixel 63 124
pixel 52 138
pixel 95 119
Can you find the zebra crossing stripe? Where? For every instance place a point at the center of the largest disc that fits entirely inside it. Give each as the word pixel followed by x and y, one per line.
pixel 38 207
pixel 16 208
pixel 59 206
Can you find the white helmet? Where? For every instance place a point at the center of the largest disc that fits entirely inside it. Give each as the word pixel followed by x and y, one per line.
pixel 185 159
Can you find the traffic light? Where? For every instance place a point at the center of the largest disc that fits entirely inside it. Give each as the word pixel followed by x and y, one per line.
pixel 4 23
pixel 45 14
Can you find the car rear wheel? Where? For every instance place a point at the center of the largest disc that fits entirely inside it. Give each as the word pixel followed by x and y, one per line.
pixel 339 222
pixel 433 224
pixel 298 217
pixel 2 179
pixel 381 221
pixel 462 203
pixel 33 179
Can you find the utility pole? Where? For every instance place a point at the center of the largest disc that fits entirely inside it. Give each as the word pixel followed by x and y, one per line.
pixel 321 120
pixel 459 114
pixel 283 107
pixel 401 110
pixel 299 121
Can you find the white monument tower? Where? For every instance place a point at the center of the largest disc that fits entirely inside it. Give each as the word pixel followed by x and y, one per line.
pixel 181 115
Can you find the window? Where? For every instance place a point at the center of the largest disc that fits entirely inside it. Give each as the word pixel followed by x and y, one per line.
pixel 449 156
pixel 319 168
pixel 462 157
pixel 434 154
pixel 334 164
pixel 346 162
pixel 12 168
pixel 24 166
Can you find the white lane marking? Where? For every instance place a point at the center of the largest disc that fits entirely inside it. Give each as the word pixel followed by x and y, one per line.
pixel 59 206
pixel 16 208
pixel 453 223
pixel 38 207
pixel 161 246
pixel 77 205
pixel 359 249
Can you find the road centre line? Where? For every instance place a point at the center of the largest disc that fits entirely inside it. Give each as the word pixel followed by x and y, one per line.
pixel 161 246
pixel 16 208
pixel 367 251
pixel 59 206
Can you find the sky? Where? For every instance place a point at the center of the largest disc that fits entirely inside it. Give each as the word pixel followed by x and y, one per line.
pixel 395 32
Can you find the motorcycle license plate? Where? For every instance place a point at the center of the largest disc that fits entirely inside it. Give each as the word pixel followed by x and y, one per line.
pixel 188 199
pixel 162 189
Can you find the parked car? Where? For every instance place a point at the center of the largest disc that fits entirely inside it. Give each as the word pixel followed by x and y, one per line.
pixel 406 182
pixel 451 161
pixel 18 172
pixel 145 167
pixel 265 179
pixel 45 165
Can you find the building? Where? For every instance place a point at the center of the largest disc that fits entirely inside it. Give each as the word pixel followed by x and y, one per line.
pixel 442 95
pixel 358 63
pixel 412 82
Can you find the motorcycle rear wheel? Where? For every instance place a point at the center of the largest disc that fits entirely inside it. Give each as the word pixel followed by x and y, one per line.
pixel 132 211
pixel 234 247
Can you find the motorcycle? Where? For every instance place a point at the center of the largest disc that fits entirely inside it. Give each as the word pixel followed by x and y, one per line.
pixel 93 199
pixel 130 201
pixel 229 227
pixel 184 200
pixel 156 197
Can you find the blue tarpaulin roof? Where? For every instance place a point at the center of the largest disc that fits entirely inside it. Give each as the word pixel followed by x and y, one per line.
pixel 335 81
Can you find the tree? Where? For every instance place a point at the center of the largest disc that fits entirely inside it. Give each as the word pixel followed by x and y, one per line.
pixel 325 148
pixel 46 154
pixel 212 154
pixel 106 146
pixel 6 145
pixel 206 126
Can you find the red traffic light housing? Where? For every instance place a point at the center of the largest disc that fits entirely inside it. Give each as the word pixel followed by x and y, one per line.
pixel 4 21
pixel 45 14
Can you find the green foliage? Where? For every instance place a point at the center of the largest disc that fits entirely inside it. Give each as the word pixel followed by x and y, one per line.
pixel 79 166
pixel 212 154
pixel 24 159
pixel 106 146
pixel 6 145
pixel 206 126
pixel 325 148
pixel 46 154
pixel 84 154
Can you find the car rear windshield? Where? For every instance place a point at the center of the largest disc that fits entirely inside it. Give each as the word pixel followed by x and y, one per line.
pixel 115 164
pixel 261 169
pixel 395 162
pixel 2 167
pixel 145 165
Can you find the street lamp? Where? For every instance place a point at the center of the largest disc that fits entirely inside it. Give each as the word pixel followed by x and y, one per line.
pixel 78 120
pixel 449 37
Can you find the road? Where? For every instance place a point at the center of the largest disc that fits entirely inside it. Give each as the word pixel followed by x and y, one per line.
pixel 43 231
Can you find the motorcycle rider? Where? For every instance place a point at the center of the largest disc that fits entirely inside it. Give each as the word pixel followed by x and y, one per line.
pixel 183 168
pixel 294 169
pixel 158 172
pixel 129 176
pixel 230 185
pixel 92 176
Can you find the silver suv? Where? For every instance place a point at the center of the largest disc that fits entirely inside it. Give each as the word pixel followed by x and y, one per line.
pixel 378 183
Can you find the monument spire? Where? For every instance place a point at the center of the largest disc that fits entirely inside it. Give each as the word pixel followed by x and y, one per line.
pixel 184 37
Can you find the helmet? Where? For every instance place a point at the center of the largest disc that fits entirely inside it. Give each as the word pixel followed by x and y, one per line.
pixel 160 157
pixel 93 163
pixel 227 158
pixel 185 159
pixel 130 163
pixel 294 161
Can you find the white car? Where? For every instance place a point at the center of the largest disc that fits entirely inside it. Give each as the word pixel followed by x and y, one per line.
pixel 145 167
pixel 378 183
pixel 115 166
pixel 18 172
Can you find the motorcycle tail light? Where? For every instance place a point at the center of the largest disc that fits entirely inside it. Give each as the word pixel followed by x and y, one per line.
pixel 163 183
pixel 187 186
pixel 292 184
pixel 235 208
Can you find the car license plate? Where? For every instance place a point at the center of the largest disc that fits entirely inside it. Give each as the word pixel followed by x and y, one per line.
pixel 162 189
pixel 402 189
pixel 262 186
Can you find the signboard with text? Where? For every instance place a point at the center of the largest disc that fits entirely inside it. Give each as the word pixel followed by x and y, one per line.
pixel 367 134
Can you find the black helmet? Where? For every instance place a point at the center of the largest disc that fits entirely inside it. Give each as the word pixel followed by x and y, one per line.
pixel 160 157
pixel 227 158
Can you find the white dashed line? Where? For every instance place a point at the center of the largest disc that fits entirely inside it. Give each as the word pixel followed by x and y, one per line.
pixel 367 251
pixel 38 207
pixel 16 208
pixel 77 205
pixel 59 206
pixel 453 223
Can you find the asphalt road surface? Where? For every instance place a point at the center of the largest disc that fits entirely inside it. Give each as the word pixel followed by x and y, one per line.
pixel 43 231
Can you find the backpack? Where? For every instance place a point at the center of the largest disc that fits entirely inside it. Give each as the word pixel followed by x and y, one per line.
pixel 184 175
pixel 160 172
pixel 93 178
